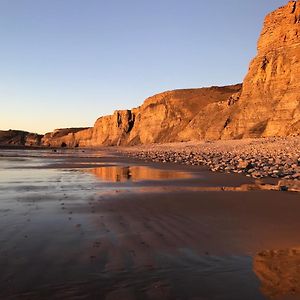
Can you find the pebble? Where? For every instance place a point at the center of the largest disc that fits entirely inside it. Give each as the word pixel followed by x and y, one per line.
pixel 257 158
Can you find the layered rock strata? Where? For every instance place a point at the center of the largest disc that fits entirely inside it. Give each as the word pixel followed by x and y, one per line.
pixel 270 100
pixel 161 118
pixel 64 137
pixel 268 103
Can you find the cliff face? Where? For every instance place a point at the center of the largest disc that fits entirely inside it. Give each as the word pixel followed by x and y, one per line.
pixel 270 101
pixel 112 130
pixel 64 137
pixel 268 104
pixel 19 138
pixel 164 117
pixel 161 118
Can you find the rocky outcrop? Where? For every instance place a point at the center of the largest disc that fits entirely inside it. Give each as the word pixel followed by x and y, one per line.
pixel 33 139
pixel 64 137
pixel 19 138
pixel 114 129
pixel 13 137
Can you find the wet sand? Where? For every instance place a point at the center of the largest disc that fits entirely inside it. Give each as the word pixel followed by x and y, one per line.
pixel 97 225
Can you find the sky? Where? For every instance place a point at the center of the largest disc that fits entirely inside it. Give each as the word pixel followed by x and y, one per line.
pixel 64 63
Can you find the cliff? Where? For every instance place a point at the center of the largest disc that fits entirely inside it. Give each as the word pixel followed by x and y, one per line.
pixel 267 104
pixel 63 137
pixel 161 118
pixel 270 100
pixel 19 138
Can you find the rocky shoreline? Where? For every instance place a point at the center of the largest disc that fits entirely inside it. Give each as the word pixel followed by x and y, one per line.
pixel 258 158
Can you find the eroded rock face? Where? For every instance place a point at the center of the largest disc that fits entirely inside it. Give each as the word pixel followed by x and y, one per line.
pixel 113 130
pixel 166 117
pixel 33 139
pixel 19 138
pixel 161 118
pixel 12 137
pixel 270 101
pixel 65 137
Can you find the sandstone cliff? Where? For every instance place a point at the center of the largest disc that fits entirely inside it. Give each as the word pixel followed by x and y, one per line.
pixel 63 137
pixel 161 118
pixel 268 103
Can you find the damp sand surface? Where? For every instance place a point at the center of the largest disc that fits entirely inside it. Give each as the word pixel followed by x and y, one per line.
pixel 97 225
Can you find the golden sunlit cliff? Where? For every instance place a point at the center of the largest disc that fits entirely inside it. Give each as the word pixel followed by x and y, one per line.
pixel 266 104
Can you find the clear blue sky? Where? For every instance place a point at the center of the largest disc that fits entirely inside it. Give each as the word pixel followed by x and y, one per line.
pixel 64 63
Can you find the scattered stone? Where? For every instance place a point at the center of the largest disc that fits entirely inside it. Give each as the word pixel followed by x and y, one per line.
pixel 257 158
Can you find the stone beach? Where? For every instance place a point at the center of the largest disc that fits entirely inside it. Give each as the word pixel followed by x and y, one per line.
pixel 277 158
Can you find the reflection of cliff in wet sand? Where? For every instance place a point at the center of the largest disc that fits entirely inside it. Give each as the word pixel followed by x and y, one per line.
pixel 142 173
pixel 279 272
pixel 136 173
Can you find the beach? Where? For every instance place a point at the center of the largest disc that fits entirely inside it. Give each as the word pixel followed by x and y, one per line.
pixel 95 224
pixel 275 157
pixel 149 150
